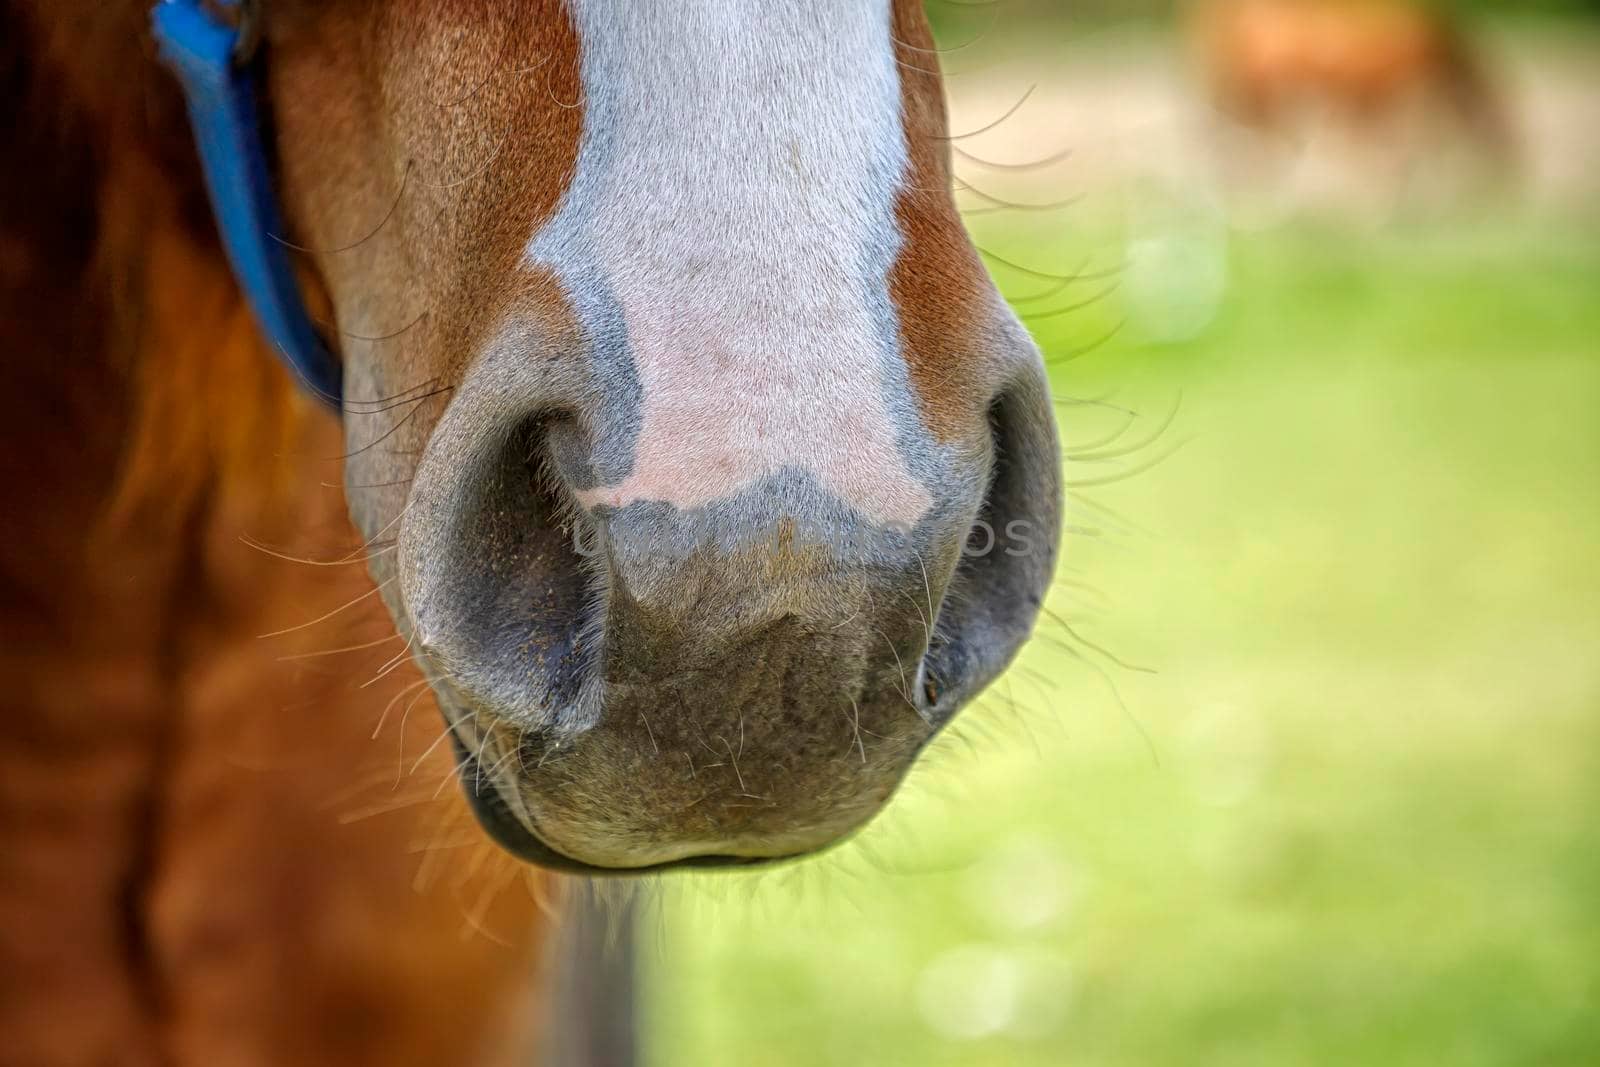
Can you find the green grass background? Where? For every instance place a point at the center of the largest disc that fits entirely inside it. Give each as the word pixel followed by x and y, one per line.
pixel 1354 815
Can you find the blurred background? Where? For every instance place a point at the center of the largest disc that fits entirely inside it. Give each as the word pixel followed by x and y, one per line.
pixel 1303 765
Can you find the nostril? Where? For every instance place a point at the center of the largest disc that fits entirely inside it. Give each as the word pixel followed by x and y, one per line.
pixel 497 597
pixel 1009 553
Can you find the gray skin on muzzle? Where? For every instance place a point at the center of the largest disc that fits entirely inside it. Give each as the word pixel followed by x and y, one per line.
pixel 646 686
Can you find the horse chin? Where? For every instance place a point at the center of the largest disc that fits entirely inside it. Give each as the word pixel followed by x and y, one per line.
pixel 518 836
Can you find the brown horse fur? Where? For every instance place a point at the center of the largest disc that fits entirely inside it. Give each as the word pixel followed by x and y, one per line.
pixel 206 856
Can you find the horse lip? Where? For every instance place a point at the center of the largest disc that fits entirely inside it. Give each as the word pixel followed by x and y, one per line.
pixel 511 834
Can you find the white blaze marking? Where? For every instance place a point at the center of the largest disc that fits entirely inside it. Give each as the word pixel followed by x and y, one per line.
pixel 734 196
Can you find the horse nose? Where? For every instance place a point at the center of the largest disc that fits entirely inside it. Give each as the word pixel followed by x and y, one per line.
pixel 652 672
pixel 530 601
pixel 664 683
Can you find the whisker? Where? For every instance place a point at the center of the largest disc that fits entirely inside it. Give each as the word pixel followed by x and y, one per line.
pixel 480 911
pixel 1083 500
pixel 905 683
pixel 530 69
pixel 936 51
pixel 1088 301
pixel 453 774
pixel 562 103
pixel 491 76
pixel 425 870
pixel 1077 277
pixel 382 808
pixel 494 71
pixel 386 526
pixel 1035 164
pixel 1116 695
pixel 368 485
pixel 1100 600
pixel 1083 350
pixel 1128 419
pixel 1012 110
pixel 405 179
pixel 338 651
pixel 855 720
pixel 344 561
pixel 927 589
pixel 465 842
pixel 1032 272
pixel 1034 677
pixel 387 433
pixel 735 760
pixel 927 623
pixel 400 755
pixel 477 763
pixel 494 768
pixel 398 658
pixel 964 186
pixel 443 389
pixel 430 750
pixel 387 708
pixel 479 171
pixel 1089 455
pixel 1037 676
pixel 379 337
pixel 1085 483
pixel 402 395
pixel 1101 401
pixel 323 618
pixel 1085 642
pixel 537 887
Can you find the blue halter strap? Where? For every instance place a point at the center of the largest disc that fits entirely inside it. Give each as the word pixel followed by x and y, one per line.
pixel 212 58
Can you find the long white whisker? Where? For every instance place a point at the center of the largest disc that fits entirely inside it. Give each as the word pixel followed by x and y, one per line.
pixel 399 658
pixel 390 707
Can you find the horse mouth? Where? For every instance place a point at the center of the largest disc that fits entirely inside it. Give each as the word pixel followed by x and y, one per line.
pixel 515 835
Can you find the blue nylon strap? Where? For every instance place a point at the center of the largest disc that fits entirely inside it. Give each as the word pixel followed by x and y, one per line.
pixel 221 96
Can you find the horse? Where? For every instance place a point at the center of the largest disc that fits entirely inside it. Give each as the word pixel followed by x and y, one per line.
pixel 679 416
pixel 1363 62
